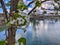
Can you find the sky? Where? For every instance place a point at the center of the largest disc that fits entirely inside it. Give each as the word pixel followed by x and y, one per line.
pixel 25 1
pixel 5 1
pixel 46 5
pixel 29 8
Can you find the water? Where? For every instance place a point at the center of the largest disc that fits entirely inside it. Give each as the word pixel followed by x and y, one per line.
pixel 39 32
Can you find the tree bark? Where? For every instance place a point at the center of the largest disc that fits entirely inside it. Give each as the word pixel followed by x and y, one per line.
pixel 4 9
pixel 11 35
pixel 12 29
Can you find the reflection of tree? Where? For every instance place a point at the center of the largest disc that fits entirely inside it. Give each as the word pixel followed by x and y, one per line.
pixel 42 26
pixel 13 9
pixel 35 22
pixel 52 21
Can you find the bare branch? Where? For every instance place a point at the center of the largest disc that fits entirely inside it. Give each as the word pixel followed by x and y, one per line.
pixel 30 3
pixel 4 9
pixel 35 6
pixel 31 10
pixel 14 4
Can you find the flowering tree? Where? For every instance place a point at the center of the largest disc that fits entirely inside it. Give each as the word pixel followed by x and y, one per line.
pixel 16 18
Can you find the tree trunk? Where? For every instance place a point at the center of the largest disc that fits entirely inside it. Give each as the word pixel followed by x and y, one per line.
pixel 12 28
pixel 11 35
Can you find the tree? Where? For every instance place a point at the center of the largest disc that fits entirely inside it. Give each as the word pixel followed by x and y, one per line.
pixel 16 17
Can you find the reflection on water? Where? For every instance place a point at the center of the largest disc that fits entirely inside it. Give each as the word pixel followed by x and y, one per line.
pixel 40 32
pixel 46 32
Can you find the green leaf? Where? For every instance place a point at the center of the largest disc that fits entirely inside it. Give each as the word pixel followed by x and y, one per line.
pixel 23 40
pixel 8 24
pixel 16 15
pixel 2 42
pixel 25 7
pixel 55 0
pixel 20 6
pixel 38 4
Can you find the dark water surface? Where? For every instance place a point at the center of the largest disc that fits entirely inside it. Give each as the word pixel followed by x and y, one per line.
pixel 39 32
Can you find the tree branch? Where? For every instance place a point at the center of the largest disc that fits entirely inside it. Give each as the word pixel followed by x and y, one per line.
pixel 30 3
pixel 31 10
pixel 4 9
pixel 14 4
pixel 35 6
pixel 12 28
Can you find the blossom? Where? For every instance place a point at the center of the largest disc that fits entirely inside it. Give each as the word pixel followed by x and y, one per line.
pixel 13 12
pixel 27 18
pixel 20 20
pixel 12 22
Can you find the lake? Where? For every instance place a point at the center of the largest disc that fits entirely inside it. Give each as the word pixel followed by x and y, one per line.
pixel 39 32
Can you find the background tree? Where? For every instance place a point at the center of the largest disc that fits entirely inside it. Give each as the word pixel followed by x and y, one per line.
pixel 16 17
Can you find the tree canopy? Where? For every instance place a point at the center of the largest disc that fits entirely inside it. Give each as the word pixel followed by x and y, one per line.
pixel 15 15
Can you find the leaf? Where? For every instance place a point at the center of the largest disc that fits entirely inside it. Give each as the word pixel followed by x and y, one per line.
pixel 23 40
pixel 20 6
pixel 55 0
pixel 8 24
pixel 16 15
pixel 25 7
pixel 38 4
pixel 2 42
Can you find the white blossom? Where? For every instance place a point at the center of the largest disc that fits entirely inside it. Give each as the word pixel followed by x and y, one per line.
pixel 22 14
pixel 56 5
pixel 12 22
pixel 20 20
pixel 13 12
pixel 27 18
pixel 19 13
